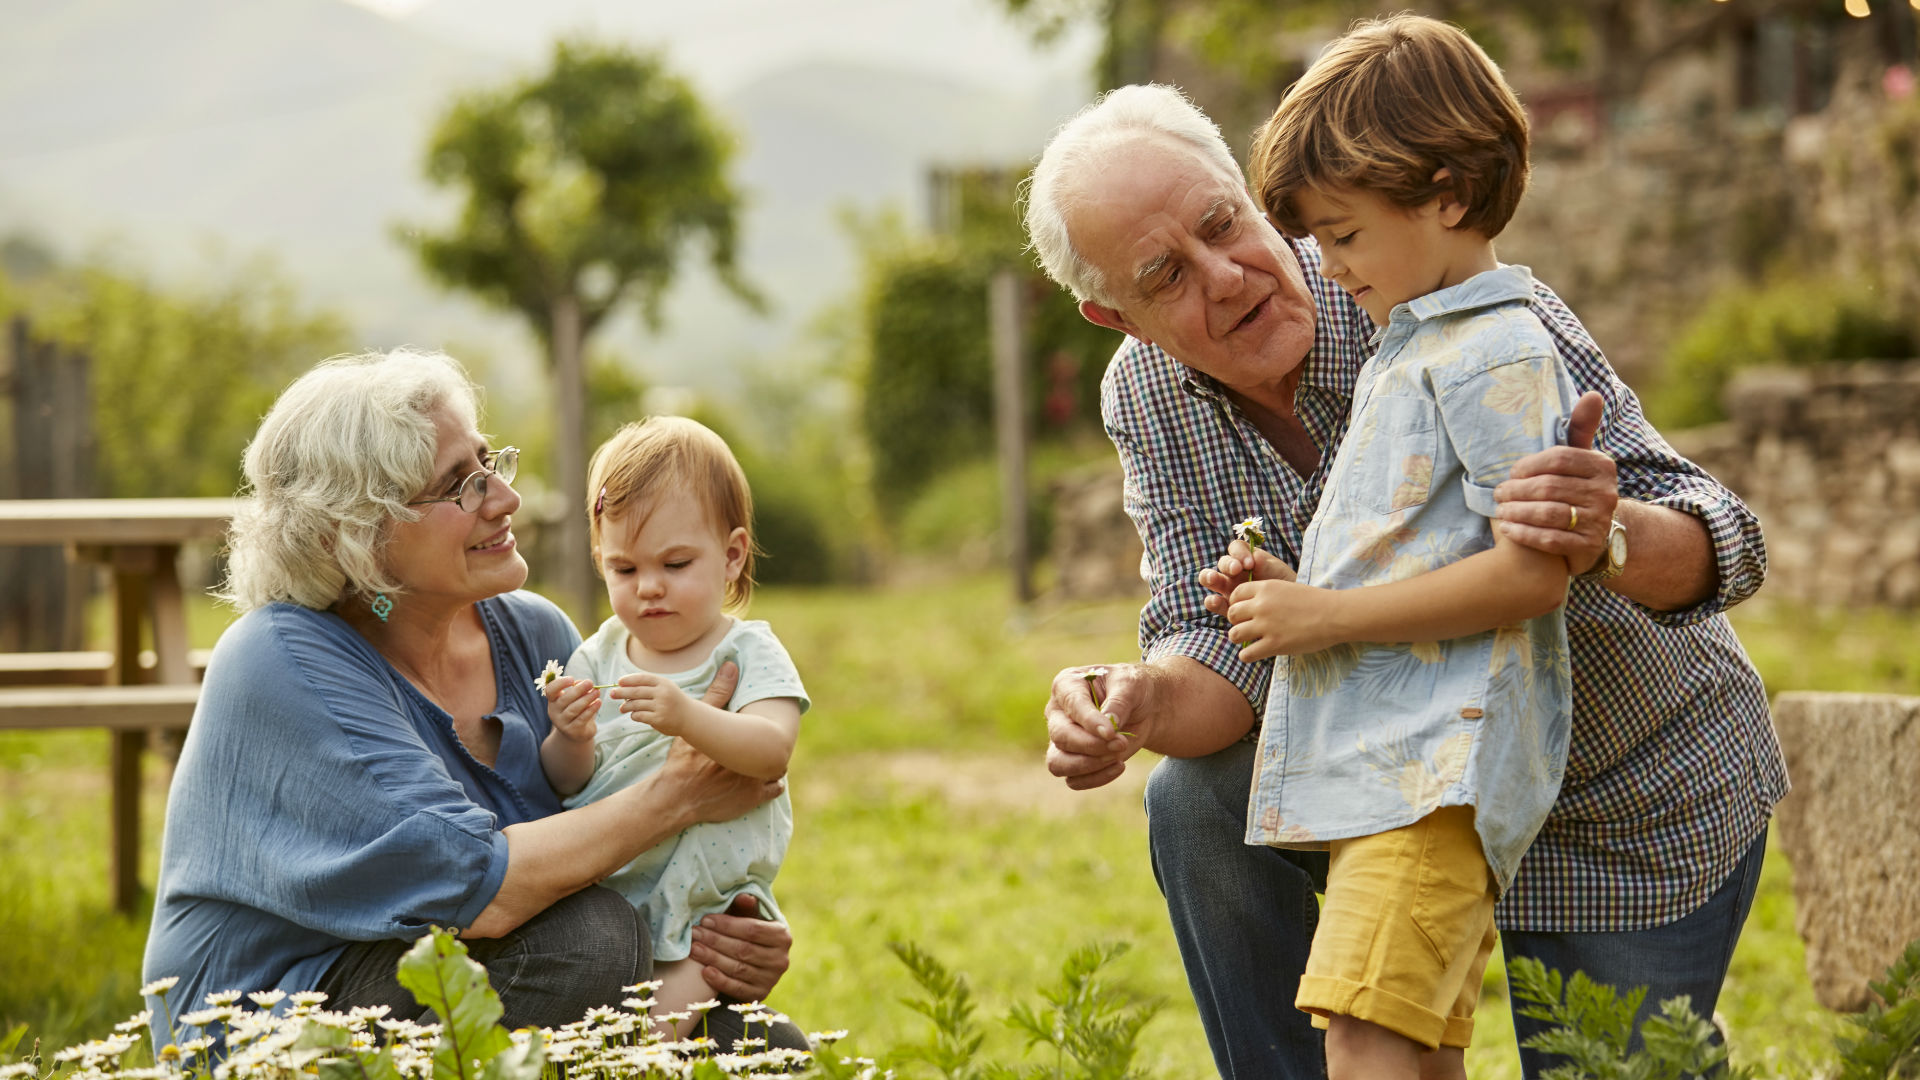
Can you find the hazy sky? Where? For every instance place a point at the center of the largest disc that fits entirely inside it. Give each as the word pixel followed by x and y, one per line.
pixel 724 43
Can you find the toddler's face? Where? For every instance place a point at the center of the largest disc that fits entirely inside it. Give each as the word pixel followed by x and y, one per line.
pixel 667 566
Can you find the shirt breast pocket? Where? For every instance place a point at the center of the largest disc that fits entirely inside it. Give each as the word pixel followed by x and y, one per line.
pixel 1393 466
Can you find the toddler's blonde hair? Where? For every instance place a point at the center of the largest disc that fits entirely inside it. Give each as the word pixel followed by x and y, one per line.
pixel 661 454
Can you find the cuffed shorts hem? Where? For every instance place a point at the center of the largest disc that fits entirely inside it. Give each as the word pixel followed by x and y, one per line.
pixel 1326 997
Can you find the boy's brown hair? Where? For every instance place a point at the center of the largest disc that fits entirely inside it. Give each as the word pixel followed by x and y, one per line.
pixel 1386 106
pixel 661 454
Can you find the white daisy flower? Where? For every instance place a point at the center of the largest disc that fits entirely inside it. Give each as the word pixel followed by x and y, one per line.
pixel 552 671
pixel 1253 531
pixel 266 999
pixel 159 986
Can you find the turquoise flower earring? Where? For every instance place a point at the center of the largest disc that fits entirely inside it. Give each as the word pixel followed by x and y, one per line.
pixel 382 606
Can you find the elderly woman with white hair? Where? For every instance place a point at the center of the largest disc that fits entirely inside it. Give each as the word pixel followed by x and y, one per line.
pixel 364 761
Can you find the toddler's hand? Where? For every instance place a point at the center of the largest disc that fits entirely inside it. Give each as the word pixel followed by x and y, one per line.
pixel 1274 618
pixel 572 705
pixel 654 701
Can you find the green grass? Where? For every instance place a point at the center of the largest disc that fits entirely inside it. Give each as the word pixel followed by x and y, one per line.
pixel 924 814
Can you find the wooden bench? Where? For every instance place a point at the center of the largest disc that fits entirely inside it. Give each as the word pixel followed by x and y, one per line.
pixel 80 668
pixel 116 708
pixel 128 713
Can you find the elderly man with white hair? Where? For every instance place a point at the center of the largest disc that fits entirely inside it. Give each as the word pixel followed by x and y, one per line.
pixel 1227 401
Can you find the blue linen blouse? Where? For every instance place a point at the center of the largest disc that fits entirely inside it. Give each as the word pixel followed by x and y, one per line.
pixel 321 799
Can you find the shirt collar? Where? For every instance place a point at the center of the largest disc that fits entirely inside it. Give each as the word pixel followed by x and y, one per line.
pixel 1489 288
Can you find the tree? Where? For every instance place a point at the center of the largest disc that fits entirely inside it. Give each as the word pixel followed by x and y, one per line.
pixel 584 187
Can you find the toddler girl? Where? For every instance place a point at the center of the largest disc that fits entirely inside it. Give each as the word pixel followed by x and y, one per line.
pixel 670 518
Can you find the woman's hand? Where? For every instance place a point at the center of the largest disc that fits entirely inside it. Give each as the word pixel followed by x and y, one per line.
pixel 743 955
pixel 706 791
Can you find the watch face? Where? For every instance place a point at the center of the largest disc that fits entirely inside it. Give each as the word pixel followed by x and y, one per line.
pixel 1617 547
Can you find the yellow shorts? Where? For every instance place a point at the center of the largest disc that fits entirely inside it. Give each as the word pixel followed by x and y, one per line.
pixel 1406 930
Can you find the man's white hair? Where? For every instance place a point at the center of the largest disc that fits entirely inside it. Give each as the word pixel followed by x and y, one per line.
pixel 330 471
pixel 1092 139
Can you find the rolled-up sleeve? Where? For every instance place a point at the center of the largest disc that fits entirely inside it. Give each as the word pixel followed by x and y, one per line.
pixel 1651 471
pixel 1180 539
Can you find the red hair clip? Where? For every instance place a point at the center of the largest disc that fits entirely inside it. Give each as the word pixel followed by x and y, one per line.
pixel 600 503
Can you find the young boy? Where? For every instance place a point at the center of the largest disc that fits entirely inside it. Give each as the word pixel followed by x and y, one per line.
pixel 1423 767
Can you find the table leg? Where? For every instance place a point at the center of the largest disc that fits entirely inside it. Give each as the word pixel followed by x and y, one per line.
pixel 130 603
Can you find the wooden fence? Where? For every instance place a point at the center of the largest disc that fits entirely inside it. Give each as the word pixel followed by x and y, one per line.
pixel 46 452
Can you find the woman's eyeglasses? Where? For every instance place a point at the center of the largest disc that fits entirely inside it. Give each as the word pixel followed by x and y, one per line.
pixel 503 463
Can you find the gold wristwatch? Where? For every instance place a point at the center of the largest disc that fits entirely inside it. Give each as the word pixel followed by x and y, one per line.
pixel 1614 558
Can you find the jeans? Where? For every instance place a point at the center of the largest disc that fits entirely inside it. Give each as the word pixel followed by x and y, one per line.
pixel 1244 917
pixel 577 954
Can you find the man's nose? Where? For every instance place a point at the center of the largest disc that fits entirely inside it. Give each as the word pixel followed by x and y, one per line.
pixel 1222 274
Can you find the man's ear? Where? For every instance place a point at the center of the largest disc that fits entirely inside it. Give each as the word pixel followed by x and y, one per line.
pixel 1452 206
pixel 1112 319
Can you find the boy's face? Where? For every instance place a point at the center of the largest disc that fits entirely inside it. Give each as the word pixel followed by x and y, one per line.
pixel 667 567
pixel 1384 255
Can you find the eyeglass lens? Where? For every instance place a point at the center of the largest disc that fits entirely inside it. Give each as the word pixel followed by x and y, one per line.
pixel 473 491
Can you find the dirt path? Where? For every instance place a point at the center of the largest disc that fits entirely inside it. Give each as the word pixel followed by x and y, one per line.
pixel 977 781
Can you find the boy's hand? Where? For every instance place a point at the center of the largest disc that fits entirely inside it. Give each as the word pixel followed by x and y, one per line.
pixel 572 705
pixel 1280 618
pixel 654 701
pixel 1238 566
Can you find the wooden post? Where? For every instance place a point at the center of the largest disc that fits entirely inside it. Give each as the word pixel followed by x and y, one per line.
pixel 1010 423
pixel 570 458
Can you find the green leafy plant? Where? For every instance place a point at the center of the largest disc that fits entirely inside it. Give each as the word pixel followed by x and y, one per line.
pixel 1593 1030
pixel 1092 1026
pixel 1885 1039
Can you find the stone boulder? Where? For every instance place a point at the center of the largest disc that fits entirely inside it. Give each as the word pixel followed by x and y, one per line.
pixel 1849 829
pixel 1095 548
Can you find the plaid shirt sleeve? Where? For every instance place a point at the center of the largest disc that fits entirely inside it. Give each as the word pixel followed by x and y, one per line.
pixel 1168 442
pixel 1651 471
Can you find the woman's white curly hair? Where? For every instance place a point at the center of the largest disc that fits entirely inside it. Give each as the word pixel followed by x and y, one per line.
pixel 330 471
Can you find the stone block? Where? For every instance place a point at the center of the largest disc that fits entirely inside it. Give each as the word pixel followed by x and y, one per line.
pixel 1848 830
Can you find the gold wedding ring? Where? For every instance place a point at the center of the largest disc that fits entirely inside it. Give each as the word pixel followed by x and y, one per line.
pixel 1573 518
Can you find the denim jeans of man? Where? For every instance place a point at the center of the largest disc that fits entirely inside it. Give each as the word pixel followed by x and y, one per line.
pixel 579 953
pixel 1244 917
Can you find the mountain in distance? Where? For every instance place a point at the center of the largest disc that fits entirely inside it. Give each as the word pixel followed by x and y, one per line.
pixel 152 131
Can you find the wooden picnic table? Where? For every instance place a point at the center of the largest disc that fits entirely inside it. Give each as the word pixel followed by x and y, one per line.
pixel 139 541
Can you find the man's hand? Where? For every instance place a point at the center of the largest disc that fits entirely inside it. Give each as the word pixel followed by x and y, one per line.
pixel 1280 618
pixel 1094 721
pixel 1561 499
pixel 1241 564
pixel 742 955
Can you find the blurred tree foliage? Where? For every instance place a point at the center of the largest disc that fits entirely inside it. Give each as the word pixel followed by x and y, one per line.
pixel 926 379
pixel 1793 319
pixel 180 377
pixel 582 189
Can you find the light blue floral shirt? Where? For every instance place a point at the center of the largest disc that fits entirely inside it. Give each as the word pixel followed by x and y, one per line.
pixel 1371 737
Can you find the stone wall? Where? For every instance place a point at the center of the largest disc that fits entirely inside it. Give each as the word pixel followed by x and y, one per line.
pixel 1829 458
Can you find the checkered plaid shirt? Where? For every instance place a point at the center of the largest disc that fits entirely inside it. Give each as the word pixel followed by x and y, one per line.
pixel 1674 766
